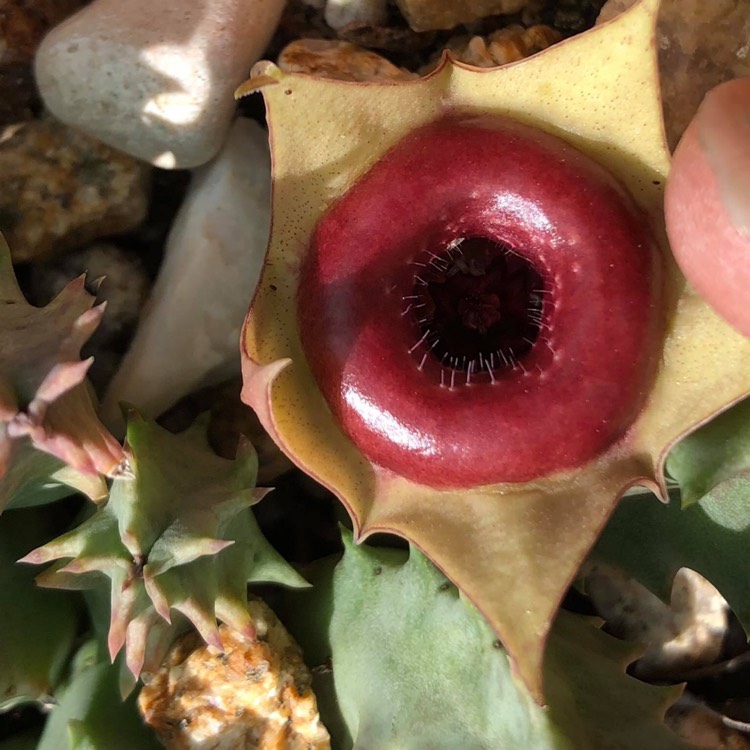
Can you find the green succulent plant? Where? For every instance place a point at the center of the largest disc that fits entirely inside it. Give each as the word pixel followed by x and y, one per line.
pixel 414 665
pixel 175 534
pixel 503 468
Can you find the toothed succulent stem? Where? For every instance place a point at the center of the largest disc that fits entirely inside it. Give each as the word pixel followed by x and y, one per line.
pixel 175 535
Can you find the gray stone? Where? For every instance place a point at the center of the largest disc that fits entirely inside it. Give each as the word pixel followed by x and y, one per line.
pixel 688 633
pixel 154 78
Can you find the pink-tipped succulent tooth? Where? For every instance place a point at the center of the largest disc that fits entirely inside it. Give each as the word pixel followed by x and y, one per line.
pixel 177 542
pixel 483 306
pixel 45 403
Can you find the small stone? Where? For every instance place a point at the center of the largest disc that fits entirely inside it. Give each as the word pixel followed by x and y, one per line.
pixel 342 61
pixel 252 694
pixel 612 8
pixel 573 16
pixel 155 78
pixel 340 13
pixel 22 26
pixel 424 15
pixel 119 279
pixel 400 40
pixel 188 335
pixel 504 46
pixel 701 44
pixel 63 189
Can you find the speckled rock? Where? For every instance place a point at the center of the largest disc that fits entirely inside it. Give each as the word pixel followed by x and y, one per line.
pixel 119 279
pixel 701 44
pixel 154 78
pixel 424 15
pixel 340 13
pixel 252 694
pixel 342 61
pixel 188 335
pixel 63 189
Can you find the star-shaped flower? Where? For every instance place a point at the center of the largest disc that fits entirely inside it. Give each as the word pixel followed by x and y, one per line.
pixel 501 465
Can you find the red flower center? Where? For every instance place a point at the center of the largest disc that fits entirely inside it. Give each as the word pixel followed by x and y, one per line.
pixel 482 306
pixel 479 307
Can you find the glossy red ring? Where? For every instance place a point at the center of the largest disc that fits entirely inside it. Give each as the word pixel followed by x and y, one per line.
pixel 580 386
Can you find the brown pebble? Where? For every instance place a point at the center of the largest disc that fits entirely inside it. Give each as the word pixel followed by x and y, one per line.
pixel 504 46
pixel 63 189
pixel 342 61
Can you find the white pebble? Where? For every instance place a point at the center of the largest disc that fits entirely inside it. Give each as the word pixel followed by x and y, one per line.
pixel 188 336
pixel 154 78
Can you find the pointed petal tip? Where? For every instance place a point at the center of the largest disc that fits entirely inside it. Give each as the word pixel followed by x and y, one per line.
pixel 88 321
pixel 213 638
pixel 348 537
pixel 76 286
pixel 253 86
pixel 245 449
pixel 48 579
pixel 214 546
pixel 127 683
pixel 76 566
pixel 61 379
pixel 96 284
pixel 263 73
pixel 236 616
pixel 133 544
pixel 257 380
pixel 155 594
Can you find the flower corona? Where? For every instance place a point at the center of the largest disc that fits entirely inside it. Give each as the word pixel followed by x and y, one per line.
pixel 482 306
